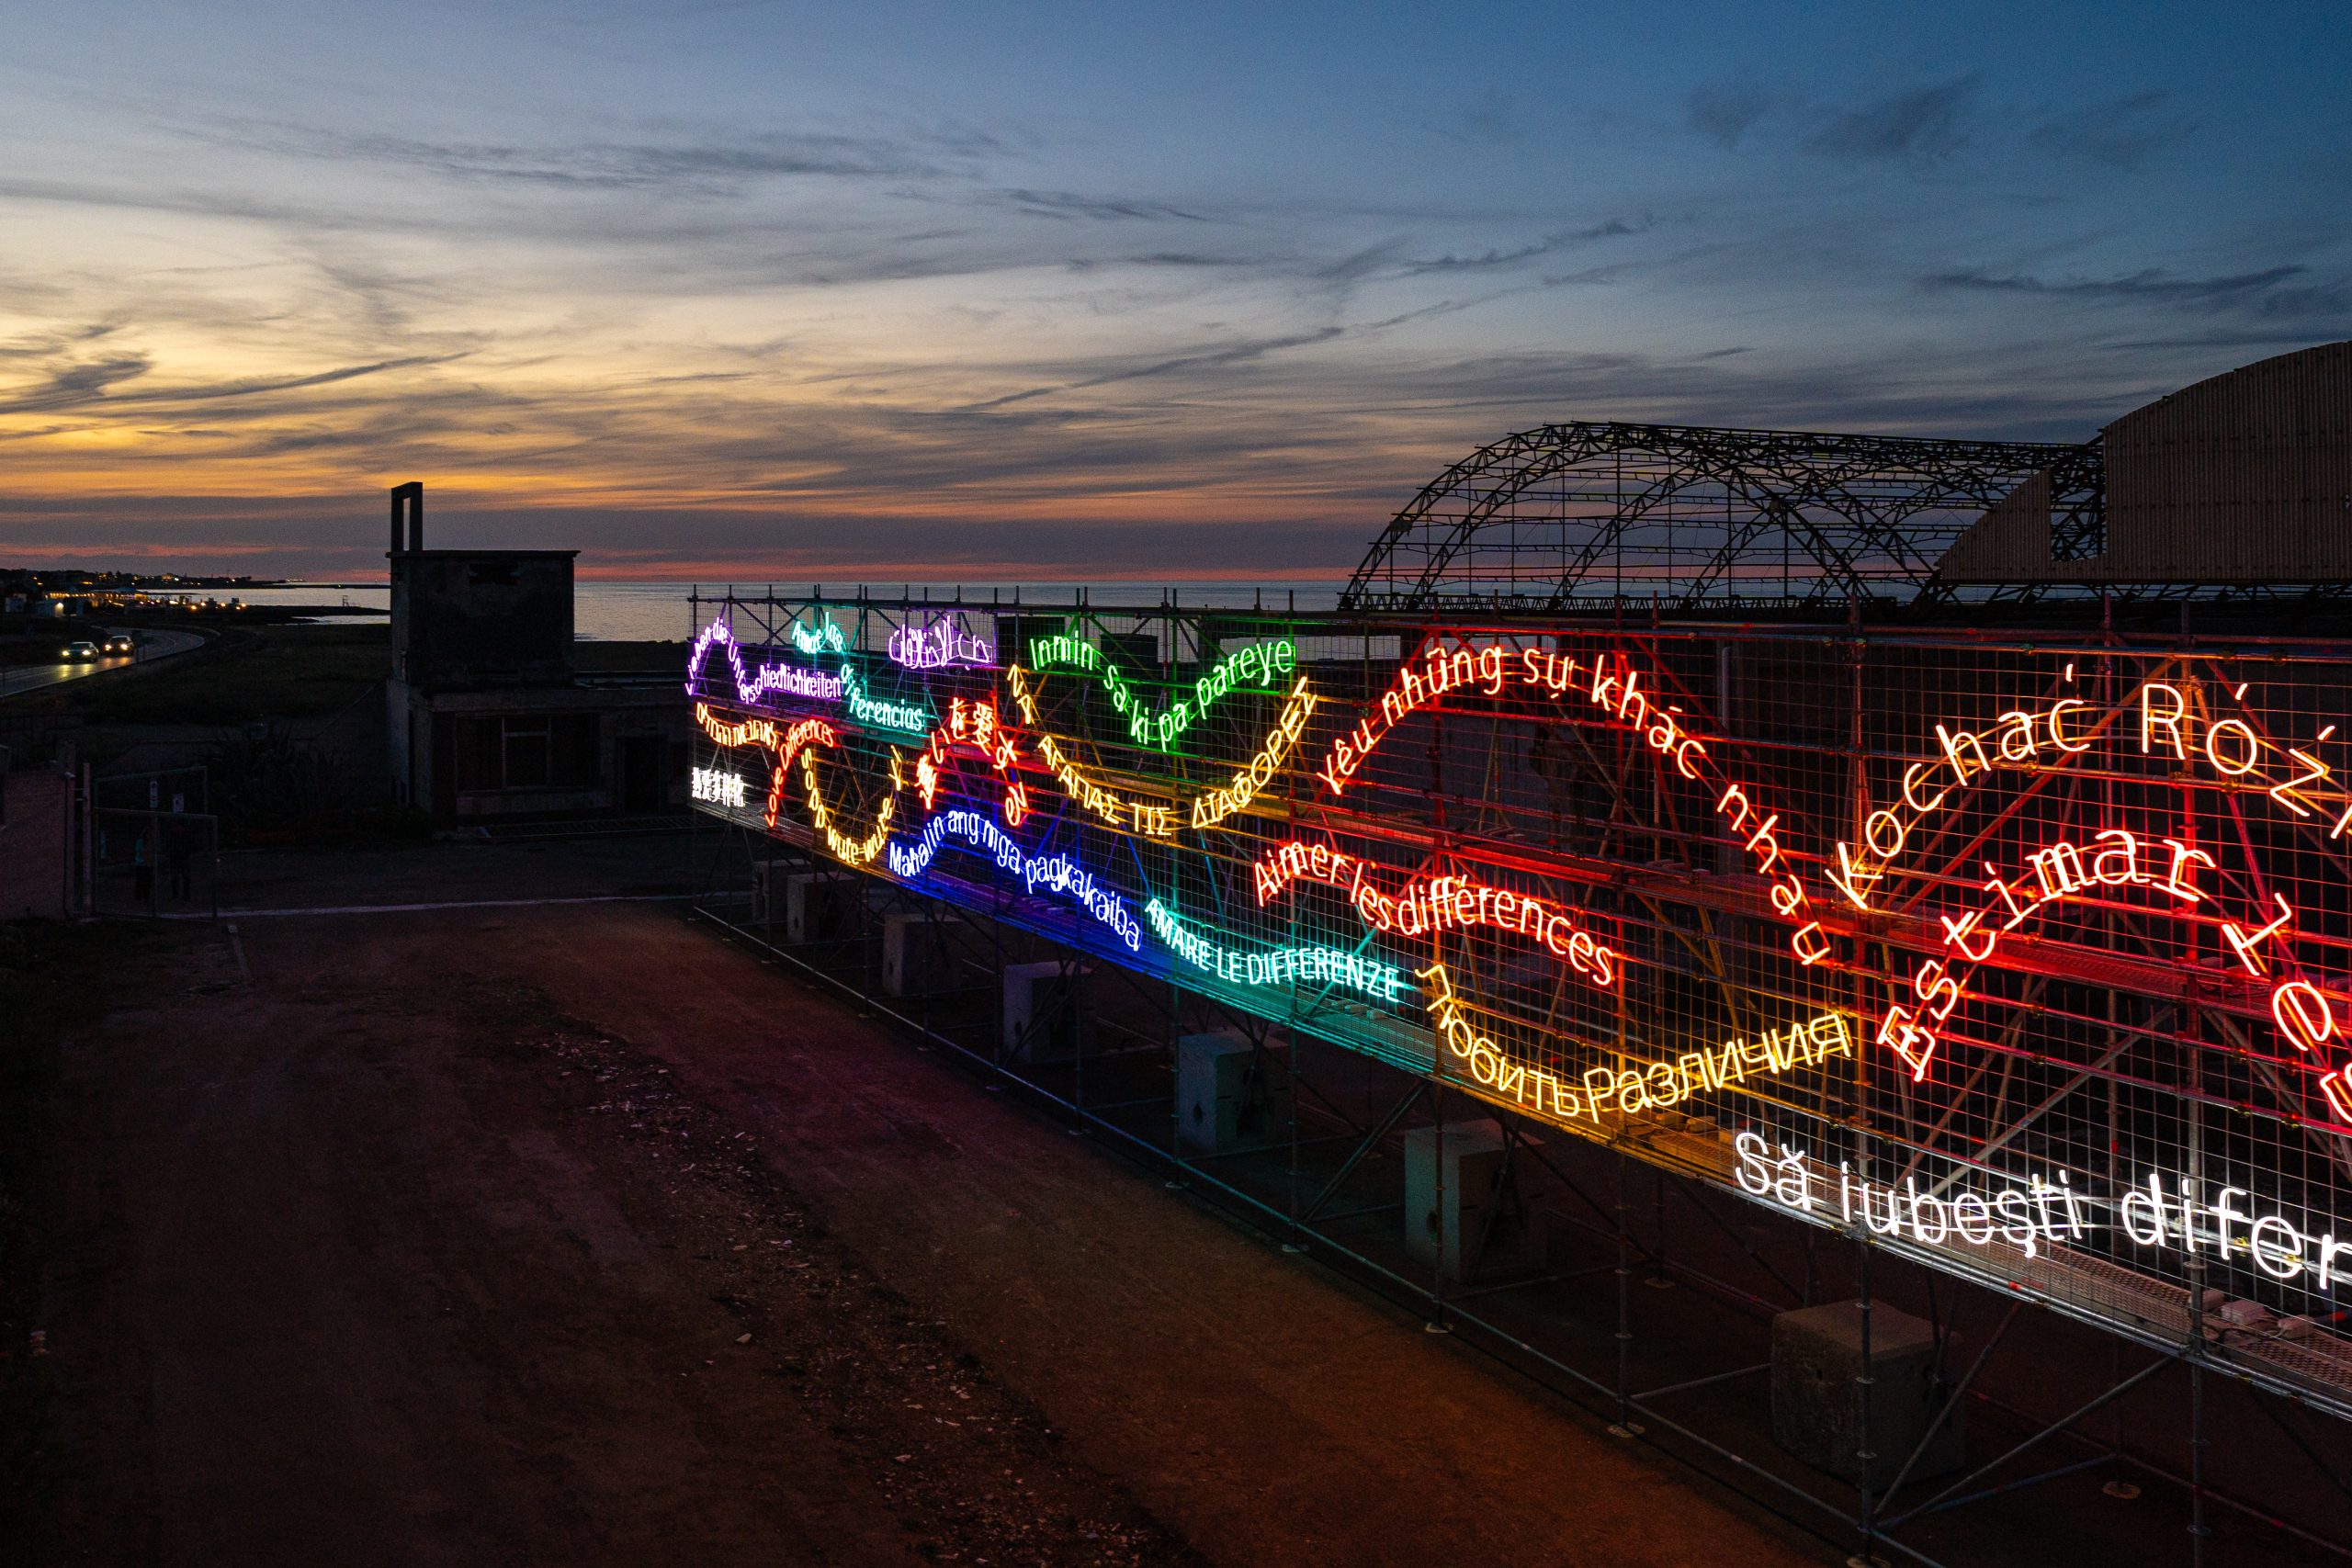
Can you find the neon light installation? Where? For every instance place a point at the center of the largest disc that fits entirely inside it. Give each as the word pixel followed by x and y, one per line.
pixel 2025 1217
pixel 1617 692
pixel 1219 804
pixel 1438 903
pixel 1056 873
pixel 1441 670
pixel 913 719
pixel 826 638
pixel 2158 1213
pixel 1256 666
pixel 1657 1086
pixel 943 643
pixel 734 732
pixel 814 684
pixel 855 852
pixel 1529 1086
pixel 2167 726
pixel 1279 965
pixel 719 786
pixel 1151 818
pixel 1615 688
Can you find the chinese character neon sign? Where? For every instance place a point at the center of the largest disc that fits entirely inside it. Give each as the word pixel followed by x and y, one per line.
pixel 719 786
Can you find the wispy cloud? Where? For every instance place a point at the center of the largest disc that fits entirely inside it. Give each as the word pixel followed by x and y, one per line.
pixel 1067 205
pixel 2119 132
pixel 684 165
pixel 1725 110
pixel 2149 284
pixel 1922 124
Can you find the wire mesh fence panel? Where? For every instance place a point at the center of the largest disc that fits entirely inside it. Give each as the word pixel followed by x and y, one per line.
pixel 2029 960
pixel 153 863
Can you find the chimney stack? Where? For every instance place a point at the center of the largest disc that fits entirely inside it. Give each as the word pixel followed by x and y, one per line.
pixel 409 498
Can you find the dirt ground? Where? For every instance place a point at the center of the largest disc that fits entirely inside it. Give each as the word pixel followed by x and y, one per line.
pixel 564 1232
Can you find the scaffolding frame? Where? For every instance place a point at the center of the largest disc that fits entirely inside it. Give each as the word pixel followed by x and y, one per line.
pixel 2113 1031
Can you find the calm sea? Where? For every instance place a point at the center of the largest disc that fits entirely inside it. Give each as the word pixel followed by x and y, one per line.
pixel 644 612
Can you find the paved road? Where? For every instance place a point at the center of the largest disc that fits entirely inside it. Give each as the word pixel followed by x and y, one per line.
pixel 151 645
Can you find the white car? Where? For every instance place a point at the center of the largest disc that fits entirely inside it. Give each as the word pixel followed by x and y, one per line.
pixel 78 652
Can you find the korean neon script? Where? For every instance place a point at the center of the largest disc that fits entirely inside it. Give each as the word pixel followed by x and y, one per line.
pixel 1277 965
pixel 1257 667
pixel 943 643
pixel 719 787
pixel 1614 685
pixel 1056 873
pixel 2163 1212
pixel 750 685
pixel 1436 904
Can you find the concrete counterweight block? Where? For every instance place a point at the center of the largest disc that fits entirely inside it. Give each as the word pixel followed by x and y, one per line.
pixel 1045 1011
pixel 915 957
pixel 1818 1403
pixel 1221 1099
pixel 818 906
pixel 1473 1224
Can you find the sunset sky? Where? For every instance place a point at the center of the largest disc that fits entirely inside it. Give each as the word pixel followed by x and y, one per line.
pixel 961 291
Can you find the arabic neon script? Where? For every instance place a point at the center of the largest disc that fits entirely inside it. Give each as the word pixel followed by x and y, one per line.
pixel 1056 874
pixel 1257 667
pixel 750 686
pixel 943 643
pixel 2161 1211
pixel 1277 965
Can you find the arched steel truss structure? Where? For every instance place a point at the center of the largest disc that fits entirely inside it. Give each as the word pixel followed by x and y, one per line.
pixel 1678 518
